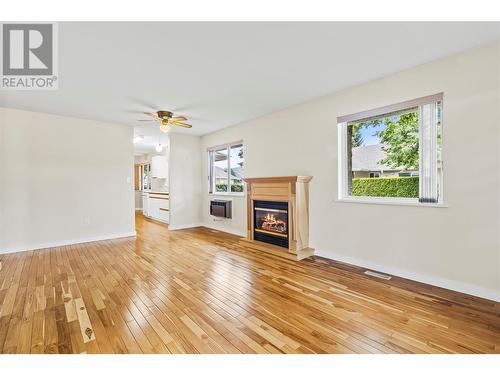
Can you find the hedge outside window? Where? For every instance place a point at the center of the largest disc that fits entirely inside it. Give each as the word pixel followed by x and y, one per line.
pixel 225 165
pixel 392 153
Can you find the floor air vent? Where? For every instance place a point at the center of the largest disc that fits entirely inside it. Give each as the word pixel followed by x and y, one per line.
pixel 378 275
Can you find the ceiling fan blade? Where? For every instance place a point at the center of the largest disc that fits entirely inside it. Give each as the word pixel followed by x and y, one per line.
pixel 157 119
pixel 179 118
pixel 176 123
pixel 146 120
pixel 151 114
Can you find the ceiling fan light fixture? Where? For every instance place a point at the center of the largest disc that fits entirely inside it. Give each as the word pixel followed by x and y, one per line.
pixel 164 128
pixel 166 120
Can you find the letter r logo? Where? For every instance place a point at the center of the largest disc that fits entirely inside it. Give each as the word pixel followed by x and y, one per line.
pixel 27 49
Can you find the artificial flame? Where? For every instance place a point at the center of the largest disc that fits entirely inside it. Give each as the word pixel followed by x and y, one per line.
pixel 271 223
pixel 270 218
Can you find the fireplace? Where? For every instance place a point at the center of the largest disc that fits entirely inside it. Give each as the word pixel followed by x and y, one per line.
pixel 271 222
pixel 278 216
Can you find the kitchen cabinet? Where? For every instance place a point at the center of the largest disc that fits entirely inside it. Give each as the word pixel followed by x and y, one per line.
pixel 159 166
pixel 164 214
pixel 153 210
pixel 159 206
pixel 145 203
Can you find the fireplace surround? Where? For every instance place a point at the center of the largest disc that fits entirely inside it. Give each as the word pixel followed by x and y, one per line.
pixel 278 215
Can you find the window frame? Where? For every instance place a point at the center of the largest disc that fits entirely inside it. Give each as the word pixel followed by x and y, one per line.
pixel 211 177
pixel 343 168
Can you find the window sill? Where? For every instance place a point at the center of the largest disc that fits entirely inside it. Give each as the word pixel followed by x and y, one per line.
pixel 227 194
pixel 391 202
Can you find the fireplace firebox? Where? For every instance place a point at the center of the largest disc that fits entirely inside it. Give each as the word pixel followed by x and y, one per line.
pixel 271 222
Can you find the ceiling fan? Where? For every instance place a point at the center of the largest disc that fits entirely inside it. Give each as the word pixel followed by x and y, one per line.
pixel 167 119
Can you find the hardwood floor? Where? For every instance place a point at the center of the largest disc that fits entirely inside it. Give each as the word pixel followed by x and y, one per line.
pixel 202 291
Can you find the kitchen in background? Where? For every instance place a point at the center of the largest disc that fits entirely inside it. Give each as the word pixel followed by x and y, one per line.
pixel 152 196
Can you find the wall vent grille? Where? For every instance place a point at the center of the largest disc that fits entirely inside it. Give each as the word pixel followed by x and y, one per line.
pixel 378 275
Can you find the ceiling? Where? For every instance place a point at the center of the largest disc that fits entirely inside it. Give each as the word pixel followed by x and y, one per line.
pixel 151 137
pixel 221 74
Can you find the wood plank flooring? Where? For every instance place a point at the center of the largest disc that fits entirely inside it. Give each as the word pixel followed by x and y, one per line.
pixel 202 291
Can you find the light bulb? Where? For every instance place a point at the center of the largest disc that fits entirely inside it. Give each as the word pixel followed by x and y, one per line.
pixel 159 148
pixel 164 128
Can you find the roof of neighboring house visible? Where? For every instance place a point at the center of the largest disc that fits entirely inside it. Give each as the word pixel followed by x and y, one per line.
pixel 221 173
pixel 367 158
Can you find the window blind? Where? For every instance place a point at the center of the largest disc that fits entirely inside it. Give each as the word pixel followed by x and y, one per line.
pixel 428 133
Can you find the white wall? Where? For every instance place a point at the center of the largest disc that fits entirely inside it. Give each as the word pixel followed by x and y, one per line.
pixel 458 246
pixel 185 181
pixel 63 180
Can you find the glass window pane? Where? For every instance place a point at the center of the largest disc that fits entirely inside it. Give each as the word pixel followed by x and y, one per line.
pixel 383 156
pixel 146 178
pixel 236 173
pixel 220 170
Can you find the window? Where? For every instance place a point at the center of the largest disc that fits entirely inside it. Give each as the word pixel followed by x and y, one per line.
pixel 226 169
pixel 392 154
pixel 145 173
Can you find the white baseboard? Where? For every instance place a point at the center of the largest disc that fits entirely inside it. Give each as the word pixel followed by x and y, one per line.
pixel 157 219
pixel 226 230
pixel 46 245
pixel 184 226
pixel 458 286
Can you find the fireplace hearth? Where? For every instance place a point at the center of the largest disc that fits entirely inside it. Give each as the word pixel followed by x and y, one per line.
pixel 271 222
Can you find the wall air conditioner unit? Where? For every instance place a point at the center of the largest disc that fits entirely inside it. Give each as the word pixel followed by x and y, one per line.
pixel 221 208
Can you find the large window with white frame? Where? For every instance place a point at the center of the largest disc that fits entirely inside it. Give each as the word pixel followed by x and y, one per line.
pixel 225 166
pixel 392 154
